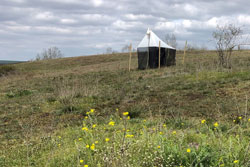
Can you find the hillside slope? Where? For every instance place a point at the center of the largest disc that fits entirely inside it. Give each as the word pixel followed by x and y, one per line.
pixel 47 97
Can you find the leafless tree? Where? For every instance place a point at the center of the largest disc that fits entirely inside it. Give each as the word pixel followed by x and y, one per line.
pixel 125 48
pixel 226 37
pixel 171 40
pixel 50 53
pixel 109 50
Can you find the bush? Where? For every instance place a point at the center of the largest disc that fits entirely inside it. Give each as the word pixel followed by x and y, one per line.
pixel 18 93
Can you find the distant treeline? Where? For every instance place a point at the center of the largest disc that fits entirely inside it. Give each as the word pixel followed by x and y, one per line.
pixel 3 62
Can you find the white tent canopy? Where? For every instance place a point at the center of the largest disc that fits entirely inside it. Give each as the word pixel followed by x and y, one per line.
pixel 152 40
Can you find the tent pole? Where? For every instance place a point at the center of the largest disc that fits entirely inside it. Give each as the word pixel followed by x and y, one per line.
pixel 130 55
pixel 159 65
pixel 183 61
pixel 148 49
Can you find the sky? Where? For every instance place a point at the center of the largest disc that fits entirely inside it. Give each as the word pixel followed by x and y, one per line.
pixel 88 27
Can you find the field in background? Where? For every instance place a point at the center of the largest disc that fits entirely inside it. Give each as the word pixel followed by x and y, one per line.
pixel 3 62
pixel 44 104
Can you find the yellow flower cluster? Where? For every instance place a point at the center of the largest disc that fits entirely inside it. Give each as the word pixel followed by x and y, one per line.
pixel 216 124
pixel 125 113
pixel 129 136
pixel 203 121
pixel 111 123
pixel 92 147
pixel 85 129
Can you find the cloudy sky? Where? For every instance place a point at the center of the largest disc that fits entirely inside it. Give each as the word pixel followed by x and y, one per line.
pixel 85 27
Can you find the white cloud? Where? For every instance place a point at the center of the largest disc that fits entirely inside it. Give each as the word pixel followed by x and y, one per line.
pixel 120 24
pixel 191 9
pixel 97 3
pixel 165 25
pixel 138 17
pixel 244 19
pixel 53 29
pixel 96 17
pixel 45 16
pixel 68 21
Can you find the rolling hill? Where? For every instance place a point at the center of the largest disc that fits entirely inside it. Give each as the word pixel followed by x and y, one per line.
pixel 91 111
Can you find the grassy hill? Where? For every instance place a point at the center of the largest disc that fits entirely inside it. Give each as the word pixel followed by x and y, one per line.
pixel 92 111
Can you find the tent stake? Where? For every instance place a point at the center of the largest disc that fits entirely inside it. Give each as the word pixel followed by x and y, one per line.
pixel 159 65
pixel 130 55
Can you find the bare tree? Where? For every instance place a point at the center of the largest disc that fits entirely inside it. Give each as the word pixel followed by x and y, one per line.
pixel 50 53
pixel 226 38
pixel 125 48
pixel 109 50
pixel 171 40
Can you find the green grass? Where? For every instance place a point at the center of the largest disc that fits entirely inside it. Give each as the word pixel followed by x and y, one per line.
pixel 47 99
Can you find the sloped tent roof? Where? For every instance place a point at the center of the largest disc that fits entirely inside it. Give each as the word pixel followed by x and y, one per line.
pixel 152 40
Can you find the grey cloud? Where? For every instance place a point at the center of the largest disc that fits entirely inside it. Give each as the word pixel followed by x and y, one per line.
pixel 82 27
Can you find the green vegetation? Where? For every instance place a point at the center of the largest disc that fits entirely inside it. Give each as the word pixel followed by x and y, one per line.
pixel 196 114
pixel 6 69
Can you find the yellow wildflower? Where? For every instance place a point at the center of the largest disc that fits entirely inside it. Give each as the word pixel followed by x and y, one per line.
pixel 92 147
pixel 111 123
pixel 96 142
pixel 158 146
pixel 117 109
pixel 203 121
pixel 174 132
pixel 80 139
pixel 87 113
pixel 107 139
pixel 86 166
pixel 128 117
pixel 249 119
pixel 59 137
pixel 236 161
pixel 125 113
pixel 87 146
pixel 216 124
pixel 86 117
pixel 92 110
pixel 240 117
pixel 164 125
pixel 161 133
pixel 144 120
pixel 94 125
pixel 234 120
pixel 81 161
pixel 85 129
pixel 188 150
pixel 129 136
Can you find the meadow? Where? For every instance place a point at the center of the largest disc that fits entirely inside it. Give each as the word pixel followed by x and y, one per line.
pixel 91 111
